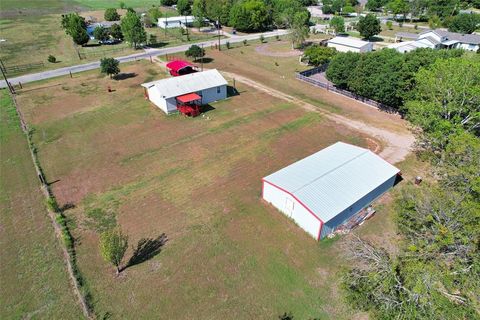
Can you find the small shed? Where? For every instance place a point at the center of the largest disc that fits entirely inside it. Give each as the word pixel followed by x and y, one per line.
pixel 208 85
pixel 325 190
pixel 346 44
pixel 180 67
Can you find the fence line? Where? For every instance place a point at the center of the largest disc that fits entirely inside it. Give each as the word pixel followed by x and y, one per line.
pixel 306 77
pixel 68 253
pixel 23 67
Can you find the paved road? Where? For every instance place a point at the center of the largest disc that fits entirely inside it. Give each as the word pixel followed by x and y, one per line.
pixel 144 54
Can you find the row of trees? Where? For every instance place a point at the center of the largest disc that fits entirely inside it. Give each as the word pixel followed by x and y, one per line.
pixel 439 13
pixel 436 273
pixel 130 29
pixel 247 15
pixel 386 76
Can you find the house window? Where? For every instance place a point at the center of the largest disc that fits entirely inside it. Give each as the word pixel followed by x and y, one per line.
pixel 218 89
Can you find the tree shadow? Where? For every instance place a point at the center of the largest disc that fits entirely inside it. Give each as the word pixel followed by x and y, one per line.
pixel 376 39
pixel 124 76
pixel 67 206
pixel 157 45
pixel 204 60
pixel 147 249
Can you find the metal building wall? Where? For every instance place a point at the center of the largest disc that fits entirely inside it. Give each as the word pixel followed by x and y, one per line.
pixel 333 223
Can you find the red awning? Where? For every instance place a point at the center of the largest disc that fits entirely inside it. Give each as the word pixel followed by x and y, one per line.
pixel 178 64
pixel 189 97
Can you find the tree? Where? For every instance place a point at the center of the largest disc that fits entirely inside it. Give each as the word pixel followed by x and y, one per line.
pixel 113 245
pixel 109 66
pixel 116 32
pixel 152 39
pixel 318 55
pixel 195 52
pixel 338 24
pixel 184 7
pixel 100 33
pixel 369 26
pixel 340 68
pixel 154 13
pixel 111 14
pixel 75 26
pixel 446 100
pixel 465 23
pixel 199 11
pixel 132 29
pixel 374 5
pixel 51 59
pixel 168 2
pixel 250 15
pixel 399 7
pixel 443 8
pixel 299 31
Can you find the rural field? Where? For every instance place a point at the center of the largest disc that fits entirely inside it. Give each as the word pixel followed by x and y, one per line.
pixel 33 278
pixel 39 25
pixel 191 188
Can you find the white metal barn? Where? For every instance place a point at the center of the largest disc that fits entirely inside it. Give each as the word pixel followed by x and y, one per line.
pixel 345 44
pixel 209 85
pixel 324 190
pixel 175 22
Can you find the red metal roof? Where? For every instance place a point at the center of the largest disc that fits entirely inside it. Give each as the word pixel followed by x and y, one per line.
pixel 189 97
pixel 178 64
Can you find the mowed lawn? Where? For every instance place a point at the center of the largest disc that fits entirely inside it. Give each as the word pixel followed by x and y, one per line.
pixel 119 160
pixel 32 32
pixel 33 278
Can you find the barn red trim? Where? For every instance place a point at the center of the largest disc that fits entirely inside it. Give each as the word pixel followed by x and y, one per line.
pixel 298 200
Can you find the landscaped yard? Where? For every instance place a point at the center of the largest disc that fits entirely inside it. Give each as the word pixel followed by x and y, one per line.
pixel 119 159
pixel 33 278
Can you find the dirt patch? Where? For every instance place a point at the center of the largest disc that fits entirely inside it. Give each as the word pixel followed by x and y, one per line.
pixel 269 50
pixel 397 145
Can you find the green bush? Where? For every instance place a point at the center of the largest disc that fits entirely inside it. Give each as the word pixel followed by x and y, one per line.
pixel 245 42
pixel 227 44
pixel 51 59
pixel 111 14
pixel 52 204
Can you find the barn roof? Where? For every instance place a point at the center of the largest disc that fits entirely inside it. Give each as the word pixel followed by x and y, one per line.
pixel 349 42
pixel 193 82
pixel 333 179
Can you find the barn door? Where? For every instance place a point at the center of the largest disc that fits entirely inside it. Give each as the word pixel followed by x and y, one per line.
pixel 289 204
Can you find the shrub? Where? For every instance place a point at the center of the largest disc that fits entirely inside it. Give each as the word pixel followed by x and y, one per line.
pixel 111 14
pixel 262 38
pixel 389 25
pixel 51 59
pixel 52 204
pixel 277 37
pixel 245 42
pixel 122 5
pixel 227 44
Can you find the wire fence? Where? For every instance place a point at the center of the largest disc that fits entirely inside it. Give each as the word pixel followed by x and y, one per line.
pixel 22 67
pixel 306 76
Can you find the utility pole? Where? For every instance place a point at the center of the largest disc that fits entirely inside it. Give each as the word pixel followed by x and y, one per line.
pixel 186 28
pixel 202 57
pixel 218 28
pixel 10 87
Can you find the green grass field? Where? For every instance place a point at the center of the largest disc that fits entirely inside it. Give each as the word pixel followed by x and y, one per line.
pixel 120 160
pixel 34 282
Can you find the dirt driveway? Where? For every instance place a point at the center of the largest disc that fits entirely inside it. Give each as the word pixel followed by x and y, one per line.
pixel 396 145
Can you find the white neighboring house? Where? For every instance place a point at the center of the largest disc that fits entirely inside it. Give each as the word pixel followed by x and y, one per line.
pixel 323 191
pixel 176 22
pixel 439 39
pixel 345 44
pixel 209 85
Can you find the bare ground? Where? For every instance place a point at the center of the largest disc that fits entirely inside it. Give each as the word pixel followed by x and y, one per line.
pixel 396 145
